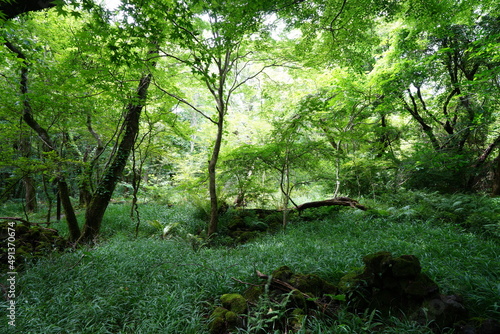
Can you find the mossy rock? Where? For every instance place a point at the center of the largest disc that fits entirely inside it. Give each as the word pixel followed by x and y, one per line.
pixel 443 311
pixel 312 285
pixel 421 286
pixel 283 273
pixel 231 319
pixel 377 263
pixel 217 323
pixel 234 302
pixel 32 241
pixel 253 293
pixel 405 266
pixel 351 280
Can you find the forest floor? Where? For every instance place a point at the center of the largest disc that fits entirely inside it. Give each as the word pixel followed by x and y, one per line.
pixel 171 284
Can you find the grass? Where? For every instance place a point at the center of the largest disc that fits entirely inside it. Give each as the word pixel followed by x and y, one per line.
pixel 148 285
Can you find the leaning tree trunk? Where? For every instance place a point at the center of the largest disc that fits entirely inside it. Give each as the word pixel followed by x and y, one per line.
pixel 101 197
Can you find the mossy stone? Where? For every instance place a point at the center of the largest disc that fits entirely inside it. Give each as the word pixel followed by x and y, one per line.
pixel 231 319
pixel 234 302
pixel 350 280
pixel 218 321
pixel 406 266
pixel 253 293
pixel 377 262
pixel 283 273
pixel 421 286
pixel 312 285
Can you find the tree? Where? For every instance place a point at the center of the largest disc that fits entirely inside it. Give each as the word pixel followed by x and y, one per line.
pixel 217 51
pixel 119 157
pixel 440 77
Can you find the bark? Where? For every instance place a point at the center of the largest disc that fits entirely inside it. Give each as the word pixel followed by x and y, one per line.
pixel 214 205
pixel 100 200
pixel 74 229
pixel 495 191
pixel 28 180
pixel 11 9
pixel 343 201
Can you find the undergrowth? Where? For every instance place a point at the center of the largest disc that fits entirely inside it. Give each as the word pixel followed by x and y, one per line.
pixel 153 285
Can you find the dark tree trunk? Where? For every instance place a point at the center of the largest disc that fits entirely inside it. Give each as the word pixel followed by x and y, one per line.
pixel 495 191
pixel 74 229
pixel 100 200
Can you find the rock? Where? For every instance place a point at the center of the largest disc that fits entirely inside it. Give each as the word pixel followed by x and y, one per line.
pixel 405 266
pixel 234 302
pixel 283 273
pixel 419 286
pixel 377 263
pixel 217 323
pixel 312 285
pixel 443 311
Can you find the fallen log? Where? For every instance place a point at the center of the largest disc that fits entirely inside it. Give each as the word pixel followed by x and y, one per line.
pixel 343 201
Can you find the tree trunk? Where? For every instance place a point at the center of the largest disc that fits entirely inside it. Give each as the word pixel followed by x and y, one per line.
pixel 28 181
pixel 30 194
pixel 100 200
pixel 74 229
pixel 495 191
pixel 212 186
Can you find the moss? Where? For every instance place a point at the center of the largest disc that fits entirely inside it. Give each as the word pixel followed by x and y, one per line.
pixel 231 319
pixel 253 293
pixel 406 266
pixel 421 286
pixel 312 285
pixel 217 323
pixel 283 273
pixel 298 299
pixel 350 280
pixel 234 302
pixel 377 262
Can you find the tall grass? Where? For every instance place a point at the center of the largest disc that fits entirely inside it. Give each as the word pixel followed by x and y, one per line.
pixel 148 285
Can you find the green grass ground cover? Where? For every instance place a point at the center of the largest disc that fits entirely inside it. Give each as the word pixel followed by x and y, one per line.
pixel 149 285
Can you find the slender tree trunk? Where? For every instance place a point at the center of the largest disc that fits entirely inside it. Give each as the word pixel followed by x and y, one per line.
pixel 212 176
pixel 74 229
pixel 495 191
pixel 28 180
pixel 100 200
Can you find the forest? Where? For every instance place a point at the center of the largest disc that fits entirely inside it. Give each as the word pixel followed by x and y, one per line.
pixel 250 166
